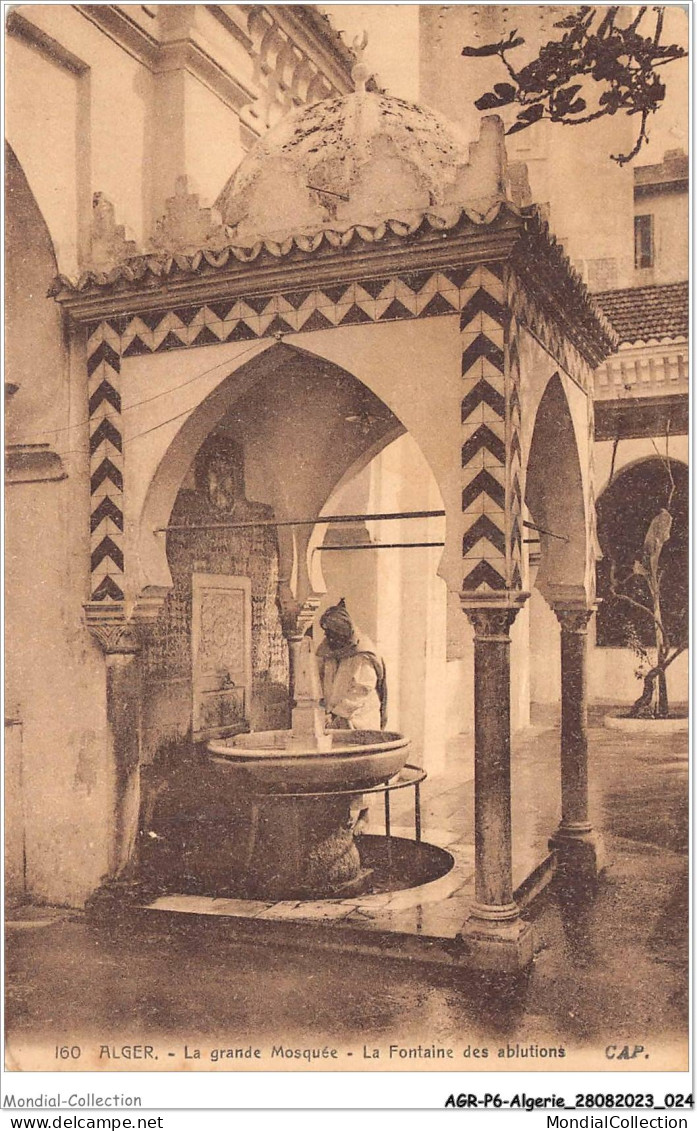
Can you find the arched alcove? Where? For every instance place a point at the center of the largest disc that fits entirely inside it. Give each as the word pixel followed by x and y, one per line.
pixel 554 496
pixel 275 371
pixel 299 425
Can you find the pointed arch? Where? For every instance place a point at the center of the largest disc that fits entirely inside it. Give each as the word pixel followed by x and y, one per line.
pixel 554 495
pixel 305 421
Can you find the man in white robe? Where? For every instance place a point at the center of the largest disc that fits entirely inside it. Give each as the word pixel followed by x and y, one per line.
pixel 352 673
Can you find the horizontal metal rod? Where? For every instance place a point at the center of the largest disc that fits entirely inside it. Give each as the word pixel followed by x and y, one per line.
pixel 330 192
pixel 540 530
pixel 382 546
pixel 318 521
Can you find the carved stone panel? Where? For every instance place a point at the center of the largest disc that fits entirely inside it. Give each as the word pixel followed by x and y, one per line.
pixel 221 652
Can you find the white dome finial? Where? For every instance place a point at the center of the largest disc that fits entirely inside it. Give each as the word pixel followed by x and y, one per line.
pixel 360 72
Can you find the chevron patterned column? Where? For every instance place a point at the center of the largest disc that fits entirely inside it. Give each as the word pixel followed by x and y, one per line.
pixel 484 431
pixel 514 477
pixel 106 464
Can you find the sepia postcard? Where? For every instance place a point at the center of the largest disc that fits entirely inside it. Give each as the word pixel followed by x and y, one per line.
pixel 346 556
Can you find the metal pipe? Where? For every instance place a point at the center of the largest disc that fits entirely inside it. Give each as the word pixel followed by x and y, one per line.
pixel 317 521
pixel 381 546
pixel 541 530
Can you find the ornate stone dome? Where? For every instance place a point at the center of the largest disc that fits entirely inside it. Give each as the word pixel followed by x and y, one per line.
pixel 359 161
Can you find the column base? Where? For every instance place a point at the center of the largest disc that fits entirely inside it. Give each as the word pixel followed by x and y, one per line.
pixel 501 947
pixel 580 855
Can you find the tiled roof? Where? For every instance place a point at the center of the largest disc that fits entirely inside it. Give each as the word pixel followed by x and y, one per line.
pixel 641 313
pixel 673 170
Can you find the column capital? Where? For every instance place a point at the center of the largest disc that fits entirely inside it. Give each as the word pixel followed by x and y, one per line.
pixel 110 628
pixel 574 618
pixel 492 622
pixel 297 616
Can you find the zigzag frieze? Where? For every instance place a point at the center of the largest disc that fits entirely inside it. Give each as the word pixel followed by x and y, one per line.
pixel 485 398
pixel 477 293
pixel 107 589
pixel 483 446
pixel 483 578
pixel 106 471
pixel 411 295
pixel 484 308
pixel 106 461
pixel 482 347
pixel 105 393
pixel 105 432
pixel 104 354
pixel 515 470
pixel 107 548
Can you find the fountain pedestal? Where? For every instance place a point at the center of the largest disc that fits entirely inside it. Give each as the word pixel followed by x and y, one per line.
pixel 301 840
pixel 304 848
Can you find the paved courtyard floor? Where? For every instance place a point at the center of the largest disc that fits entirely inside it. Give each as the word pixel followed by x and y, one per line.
pixel 609 971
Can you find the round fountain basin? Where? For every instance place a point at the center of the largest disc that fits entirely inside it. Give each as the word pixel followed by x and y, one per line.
pixel 357 760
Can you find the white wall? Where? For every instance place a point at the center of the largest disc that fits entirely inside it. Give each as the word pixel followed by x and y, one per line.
pixel 395 595
pixel 590 196
pixel 670 211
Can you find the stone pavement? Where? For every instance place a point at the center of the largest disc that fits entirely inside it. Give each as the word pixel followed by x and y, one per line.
pixel 611 970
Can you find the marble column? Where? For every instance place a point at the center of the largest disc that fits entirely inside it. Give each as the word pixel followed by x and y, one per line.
pixel 296 619
pixel 578 847
pixel 121 645
pixel 494 935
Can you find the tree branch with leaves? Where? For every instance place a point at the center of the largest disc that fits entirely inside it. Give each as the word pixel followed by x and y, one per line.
pixel 616 63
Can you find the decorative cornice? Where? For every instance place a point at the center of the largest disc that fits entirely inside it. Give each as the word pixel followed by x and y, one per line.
pixel 457 235
pixel 151 282
pixel 137 268
pixel 550 278
pixel 189 56
pixel 117 24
